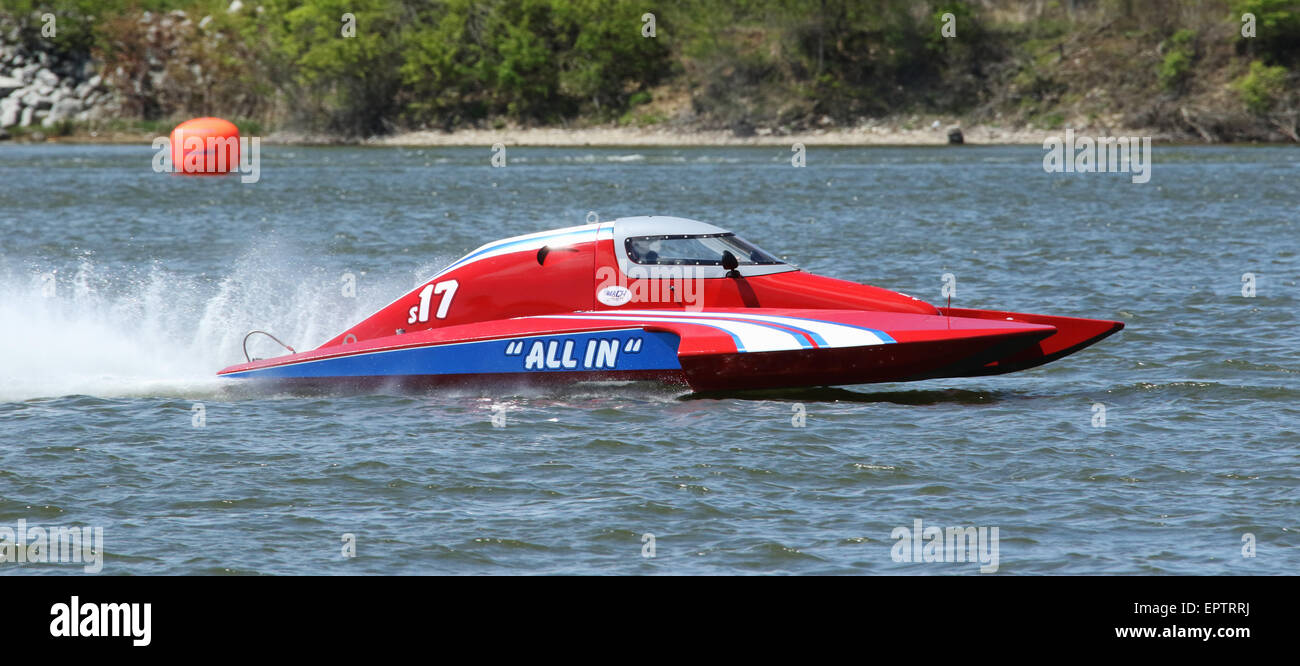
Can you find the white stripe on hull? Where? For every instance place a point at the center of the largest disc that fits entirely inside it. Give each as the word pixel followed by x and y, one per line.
pixel 755 337
pixel 832 334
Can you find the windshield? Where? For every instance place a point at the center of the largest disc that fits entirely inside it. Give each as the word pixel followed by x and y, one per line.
pixel 699 250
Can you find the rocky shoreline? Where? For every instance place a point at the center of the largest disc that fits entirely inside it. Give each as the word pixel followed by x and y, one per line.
pixel 42 89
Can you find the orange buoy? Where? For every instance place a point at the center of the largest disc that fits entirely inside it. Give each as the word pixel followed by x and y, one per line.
pixel 205 146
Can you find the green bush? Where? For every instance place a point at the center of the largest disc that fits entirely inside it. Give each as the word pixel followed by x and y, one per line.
pixel 1263 86
pixel 530 59
pixel 350 81
pixel 1180 52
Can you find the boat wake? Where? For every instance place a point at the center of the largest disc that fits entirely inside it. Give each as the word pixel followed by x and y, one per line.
pixel 79 328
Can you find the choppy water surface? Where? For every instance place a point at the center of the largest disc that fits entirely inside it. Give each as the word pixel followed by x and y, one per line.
pixel 122 291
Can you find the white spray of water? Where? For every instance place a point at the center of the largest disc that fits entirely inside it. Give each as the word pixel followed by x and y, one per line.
pixel 154 332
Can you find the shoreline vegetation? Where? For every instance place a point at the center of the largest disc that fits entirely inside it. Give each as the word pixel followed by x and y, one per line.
pixel 608 73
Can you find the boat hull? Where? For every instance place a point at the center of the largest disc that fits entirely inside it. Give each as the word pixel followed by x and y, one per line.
pixel 911 361
pixel 718 350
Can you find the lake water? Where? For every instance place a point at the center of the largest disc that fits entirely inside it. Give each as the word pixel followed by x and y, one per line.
pixel 122 291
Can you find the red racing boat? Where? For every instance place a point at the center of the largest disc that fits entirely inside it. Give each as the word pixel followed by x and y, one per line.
pixel 664 299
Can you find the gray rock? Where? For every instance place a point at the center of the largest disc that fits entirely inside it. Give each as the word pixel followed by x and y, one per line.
pixel 96 113
pixel 46 77
pixel 19 60
pixel 63 110
pixel 35 100
pixel 9 84
pixel 9 111
pixel 26 119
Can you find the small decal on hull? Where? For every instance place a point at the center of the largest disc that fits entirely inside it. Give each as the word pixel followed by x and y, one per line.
pixel 614 295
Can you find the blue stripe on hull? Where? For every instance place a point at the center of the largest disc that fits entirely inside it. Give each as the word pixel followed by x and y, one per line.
pixel 598 351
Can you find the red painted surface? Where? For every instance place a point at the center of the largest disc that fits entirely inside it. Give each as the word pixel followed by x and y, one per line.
pixel 1072 334
pixel 512 285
